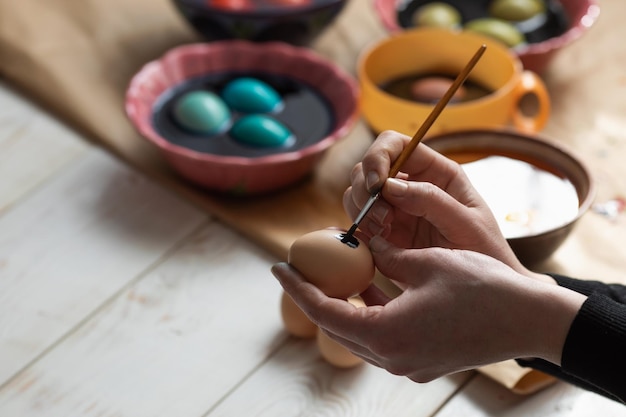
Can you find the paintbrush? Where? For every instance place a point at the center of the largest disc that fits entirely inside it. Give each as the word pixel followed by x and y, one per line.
pixel 348 237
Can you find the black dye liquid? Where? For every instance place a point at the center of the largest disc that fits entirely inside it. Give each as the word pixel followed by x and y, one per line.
pixel 348 239
pixel 401 87
pixel 306 113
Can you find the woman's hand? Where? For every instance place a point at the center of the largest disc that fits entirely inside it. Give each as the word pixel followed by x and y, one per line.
pixel 467 301
pixel 459 310
pixel 431 203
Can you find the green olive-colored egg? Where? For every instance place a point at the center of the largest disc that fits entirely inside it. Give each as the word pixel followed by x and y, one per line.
pixel 500 30
pixel 516 10
pixel 262 131
pixel 251 95
pixel 201 112
pixel 437 14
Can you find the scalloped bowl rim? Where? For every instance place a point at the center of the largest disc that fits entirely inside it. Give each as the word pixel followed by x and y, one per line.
pixel 588 18
pixel 147 130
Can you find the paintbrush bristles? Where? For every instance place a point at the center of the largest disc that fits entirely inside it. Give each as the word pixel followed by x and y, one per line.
pixel 434 114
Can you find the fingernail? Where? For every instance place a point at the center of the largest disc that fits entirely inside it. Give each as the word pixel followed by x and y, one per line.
pixel 378 244
pixel 397 187
pixel 371 180
pixel 276 268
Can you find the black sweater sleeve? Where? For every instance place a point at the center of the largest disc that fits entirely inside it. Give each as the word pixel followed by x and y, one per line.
pixel 594 354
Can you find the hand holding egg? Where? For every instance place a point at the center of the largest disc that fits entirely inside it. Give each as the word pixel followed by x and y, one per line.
pixel 340 268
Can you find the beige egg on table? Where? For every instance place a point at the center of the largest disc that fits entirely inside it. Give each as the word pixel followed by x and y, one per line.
pixel 432 88
pixel 294 320
pixel 335 353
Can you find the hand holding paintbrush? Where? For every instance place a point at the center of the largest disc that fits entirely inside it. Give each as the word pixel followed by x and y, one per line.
pixel 335 262
pixel 348 237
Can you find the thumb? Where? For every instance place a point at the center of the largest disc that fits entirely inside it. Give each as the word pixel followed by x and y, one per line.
pixel 395 263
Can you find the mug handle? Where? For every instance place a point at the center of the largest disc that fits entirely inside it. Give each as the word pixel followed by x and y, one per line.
pixel 530 83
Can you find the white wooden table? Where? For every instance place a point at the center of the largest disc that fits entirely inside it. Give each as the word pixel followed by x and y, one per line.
pixel 117 298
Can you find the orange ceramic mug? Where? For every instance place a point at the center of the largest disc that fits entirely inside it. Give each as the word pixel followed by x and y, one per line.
pixel 430 51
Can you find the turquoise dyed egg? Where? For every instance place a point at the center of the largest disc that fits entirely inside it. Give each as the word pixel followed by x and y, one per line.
pixel 262 131
pixel 201 112
pixel 251 95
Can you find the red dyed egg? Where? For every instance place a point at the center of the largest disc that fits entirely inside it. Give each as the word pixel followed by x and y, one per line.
pixel 232 4
pixel 432 89
pixel 290 2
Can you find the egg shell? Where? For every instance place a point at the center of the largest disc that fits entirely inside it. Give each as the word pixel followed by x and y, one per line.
pixel 437 14
pixel 290 3
pixel 232 4
pixel 295 321
pixel 431 89
pixel 261 130
pixel 336 268
pixel 335 353
pixel 516 10
pixel 500 30
pixel 201 112
pixel 251 95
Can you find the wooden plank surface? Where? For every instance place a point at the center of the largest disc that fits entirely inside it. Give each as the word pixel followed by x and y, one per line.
pixel 483 397
pixel 171 344
pixel 71 245
pixel 298 382
pixel 33 146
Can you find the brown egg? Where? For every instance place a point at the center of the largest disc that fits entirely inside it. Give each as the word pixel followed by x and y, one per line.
pixel 338 269
pixel 335 353
pixel 432 89
pixel 295 321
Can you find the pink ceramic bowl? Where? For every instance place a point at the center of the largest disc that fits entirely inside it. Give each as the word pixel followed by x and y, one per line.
pixel 535 56
pixel 242 174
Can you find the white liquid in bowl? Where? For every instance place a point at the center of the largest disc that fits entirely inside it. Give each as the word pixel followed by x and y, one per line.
pixel 525 199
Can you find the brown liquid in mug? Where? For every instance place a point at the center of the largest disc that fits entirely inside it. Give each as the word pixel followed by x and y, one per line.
pixel 526 199
pixel 401 87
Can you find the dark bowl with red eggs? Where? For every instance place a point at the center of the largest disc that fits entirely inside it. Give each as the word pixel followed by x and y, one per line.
pixel 297 22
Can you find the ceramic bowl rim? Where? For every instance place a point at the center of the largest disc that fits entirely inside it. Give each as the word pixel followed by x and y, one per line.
pixel 365 55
